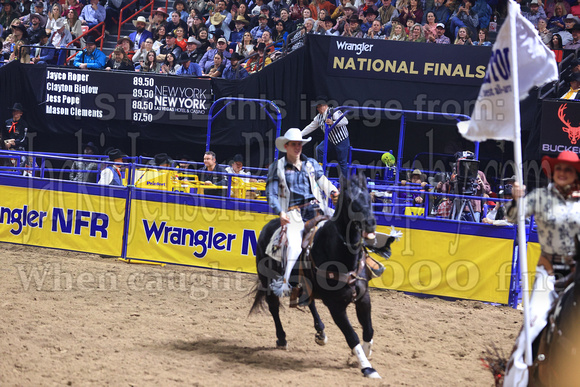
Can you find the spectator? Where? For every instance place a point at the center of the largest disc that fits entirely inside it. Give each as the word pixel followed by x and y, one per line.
pixel 261 27
pixel 556 22
pixel 44 53
pixel 208 176
pixel 92 14
pixel 440 38
pixel 572 93
pixel 462 37
pixel 239 30
pixel 464 16
pixel 327 27
pixel 498 216
pixel 9 30
pixel 430 27
pixel 191 50
pixel 8 13
pixel 71 4
pixel 369 18
pixel 170 65
pixel 20 54
pixel 16 129
pixel 352 28
pixel 412 12
pixel 36 25
pixel 279 36
pixel 195 25
pixel 218 67
pixel 440 10
pixel 38 10
pixel 188 67
pixel 376 31
pixel 111 175
pixel 53 16
pixel 60 38
pixel 141 34
pixel 237 167
pixel 575 43
pixel 556 46
pixel 91 57
pixel 7 47
pixel 162 160
pixel 482 38
pixel 216 27
pixel 157 19
pixel 398 33
pixel 241 12
pixel 246 46
pixel 267 40
pixel 235 70
pixel 159 39
pixel 483 12
pixel 119 61
pixel 150 64
pixel 288 24
pixel 74 25
pixel 297 8
pixel 208 58
pixel 536 12
pixel 276 6
pixel 417 34
pixel 366 6
pixel 19 31
pixel 169 47
pixel 264 10
pixel 220 17
pixel 203 38
pixel 141 53
pixel 174 22
pixel 180 7
pixel 298 38
pixel 127 45
pixel 85 170
pixel 180 39
pixel 258 62
pixel 418 179
pixel 543 31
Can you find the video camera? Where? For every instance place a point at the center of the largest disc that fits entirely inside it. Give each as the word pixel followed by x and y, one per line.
pixel 467 170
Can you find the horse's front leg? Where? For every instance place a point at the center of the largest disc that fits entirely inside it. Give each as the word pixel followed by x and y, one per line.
pixel 363 313
pixel 320 336
pixel 338 313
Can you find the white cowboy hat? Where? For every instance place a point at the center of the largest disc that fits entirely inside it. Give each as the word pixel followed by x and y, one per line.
pixel 293 134
pixel 141 19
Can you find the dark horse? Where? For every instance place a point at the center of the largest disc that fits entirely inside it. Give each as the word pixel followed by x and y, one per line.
pixel 558 357
pixel 338 275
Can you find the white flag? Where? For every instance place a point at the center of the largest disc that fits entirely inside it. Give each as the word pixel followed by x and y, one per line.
pixel 494 115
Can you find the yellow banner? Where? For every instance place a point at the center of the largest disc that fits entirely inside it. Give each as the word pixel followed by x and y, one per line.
pixel 451 265
pixel 193 235
pixel 70 221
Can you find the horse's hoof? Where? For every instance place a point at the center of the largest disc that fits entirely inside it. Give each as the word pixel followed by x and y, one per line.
pixel 281 344
pixel 321 338
pixel 370 373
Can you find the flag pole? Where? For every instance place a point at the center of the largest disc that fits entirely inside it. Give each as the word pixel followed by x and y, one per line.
pixel 522 247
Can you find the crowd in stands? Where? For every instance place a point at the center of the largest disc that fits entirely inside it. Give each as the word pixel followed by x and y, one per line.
pixel 198 37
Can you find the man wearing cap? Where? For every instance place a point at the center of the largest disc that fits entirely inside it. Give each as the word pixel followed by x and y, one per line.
pixel 111 175
pixel 91 57
pixel 8 13
pixel 44 51
pixel 294 189
pixel 536 12
pixel 15 129
pixel 572 93
pixel 575 43
pixel 92 14
pixel 338 138
pixel 59 38
pixel 141 33
pixel 84 170
pixel 235 70
pixel 261 27
pixel 169 46
pixel 206 61
pixel 188 68
pixel 440 38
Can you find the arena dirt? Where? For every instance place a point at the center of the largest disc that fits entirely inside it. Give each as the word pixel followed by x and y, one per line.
pixel 78 319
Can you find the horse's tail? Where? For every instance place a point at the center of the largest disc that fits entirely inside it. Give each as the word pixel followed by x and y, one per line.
pixel 259 298
pixel 495 360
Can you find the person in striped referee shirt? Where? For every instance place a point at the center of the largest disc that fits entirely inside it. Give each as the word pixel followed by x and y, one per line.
pixel 338 139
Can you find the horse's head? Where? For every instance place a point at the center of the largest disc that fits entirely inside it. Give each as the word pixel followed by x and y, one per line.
pixel 354 205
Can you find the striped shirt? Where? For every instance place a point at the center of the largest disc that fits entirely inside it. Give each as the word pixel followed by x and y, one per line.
pixel 337 134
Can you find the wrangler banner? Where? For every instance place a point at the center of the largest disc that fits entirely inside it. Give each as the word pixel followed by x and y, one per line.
pixel 407 61
pixel 64 220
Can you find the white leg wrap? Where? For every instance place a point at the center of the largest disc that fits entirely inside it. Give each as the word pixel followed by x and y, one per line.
pixel 368 348
pixel 360 355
